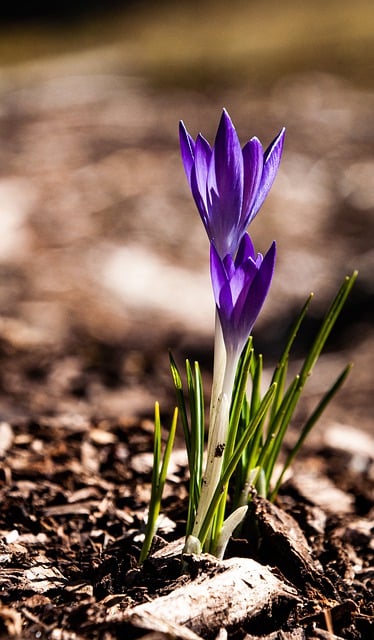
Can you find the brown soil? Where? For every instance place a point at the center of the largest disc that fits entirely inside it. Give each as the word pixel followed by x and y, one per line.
pixel 73 494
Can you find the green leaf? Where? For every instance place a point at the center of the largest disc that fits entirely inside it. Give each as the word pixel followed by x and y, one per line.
pixel 327 325
pixel 181 405
pixel 310 424
pixel 158 479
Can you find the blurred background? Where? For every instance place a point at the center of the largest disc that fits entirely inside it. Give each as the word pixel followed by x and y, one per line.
pixel 103 258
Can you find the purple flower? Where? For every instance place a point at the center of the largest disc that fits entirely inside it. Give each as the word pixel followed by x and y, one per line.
pixel 240 287
pixel 229 184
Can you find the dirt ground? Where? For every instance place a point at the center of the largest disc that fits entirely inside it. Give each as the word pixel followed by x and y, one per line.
pixel 103 267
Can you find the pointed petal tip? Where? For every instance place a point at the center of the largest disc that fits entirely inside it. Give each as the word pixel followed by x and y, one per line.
pixel 182 128
pixel 282 134
pixel 183 132
pixel 253 145
pixel 246 250
pixel 254 140
pixel 200 140
pixel 225 120
pixel 271 252
pixel 276 146
pixel 268 263
pixel 187 147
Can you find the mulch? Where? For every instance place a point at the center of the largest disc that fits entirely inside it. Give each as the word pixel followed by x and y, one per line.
pixel 73 495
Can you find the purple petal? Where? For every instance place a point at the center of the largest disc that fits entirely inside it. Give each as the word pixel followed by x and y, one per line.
pixel 200 202
pixel 222 293
pixel 259 289
pixel 229 265
pixel 246 250
pixel 187 146
pixel 217 273
pixel 228 166
pixel 225 308
pixel 253 159
pixel 242 280
pixel 250 301
pixel 223 230
pixel 272 160
pixel 203 155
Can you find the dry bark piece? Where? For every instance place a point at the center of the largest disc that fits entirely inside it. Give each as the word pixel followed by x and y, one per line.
pixel 168 629
pixel 42 575
pixel 320 490
pixel 229 594
pixel 283 544
pixel 180 631
pixel 322 634
pixel 295 634
pixel 61 634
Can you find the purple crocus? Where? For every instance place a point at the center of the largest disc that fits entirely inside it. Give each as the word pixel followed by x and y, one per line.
pixel 229 184
pixel 240 286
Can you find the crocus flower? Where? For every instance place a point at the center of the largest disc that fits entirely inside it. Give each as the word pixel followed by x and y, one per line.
pixel 240 286
pixel 229 184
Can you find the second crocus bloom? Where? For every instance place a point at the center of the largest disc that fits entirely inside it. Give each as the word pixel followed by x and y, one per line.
pixel 240 286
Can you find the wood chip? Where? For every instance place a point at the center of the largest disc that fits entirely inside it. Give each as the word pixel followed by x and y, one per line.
pixel 101 437
pixel 321 491
pixel 6 438
pixel 242 589
pixel 43 576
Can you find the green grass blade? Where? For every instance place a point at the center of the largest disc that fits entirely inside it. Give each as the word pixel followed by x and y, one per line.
pixel 310 424
pixel 237 404
pixel 156 446
pixel 181 406
pixel 241 378
pixel 240 476
pixel 191 397
pixel 256 385
pixel 200 426
pixel 310 360
pixel 196 404
pixel 157 487
pixel 197 442
pixel 291 339
pixel 280 378
pixel 327 324
pixel 273 426
pixel 254 446
pixel 276 443
pixel 280 373
pixel 167 453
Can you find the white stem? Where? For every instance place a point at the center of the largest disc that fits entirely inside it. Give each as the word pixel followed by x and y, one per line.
pixel 219 368
pixel 214 461
pixel 217 438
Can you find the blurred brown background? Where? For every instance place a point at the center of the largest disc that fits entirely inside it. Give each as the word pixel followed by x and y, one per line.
pixel 103 258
